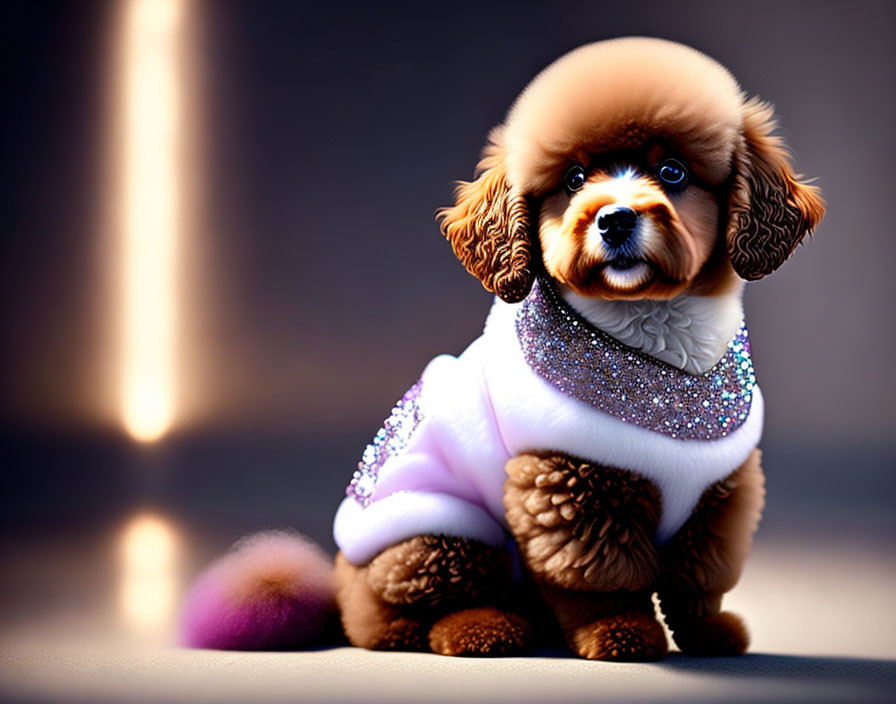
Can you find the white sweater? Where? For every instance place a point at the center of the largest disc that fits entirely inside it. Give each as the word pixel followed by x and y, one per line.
pixel 438 465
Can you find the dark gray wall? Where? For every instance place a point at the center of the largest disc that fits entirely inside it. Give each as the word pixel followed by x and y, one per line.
pixel 330 132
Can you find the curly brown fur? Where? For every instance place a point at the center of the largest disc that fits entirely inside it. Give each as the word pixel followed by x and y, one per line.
pixel 708 552
pixel 483 631
pixel 393 603
pixel 626 637
pixel 623 99
pixel 431 570
pixel 368 621
pixel 771 210
pixel 582 526
pixel 616 95
pixel 612 626
pixel 586 532
pixel 596 561
pixel 704 560
pixel 488 228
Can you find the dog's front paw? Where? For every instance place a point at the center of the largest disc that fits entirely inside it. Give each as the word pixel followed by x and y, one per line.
pixel 482 632
pixel 717 635
pixel 627 637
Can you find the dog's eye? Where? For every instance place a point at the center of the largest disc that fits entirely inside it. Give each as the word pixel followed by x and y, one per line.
pixel 673 174
pixel 575 178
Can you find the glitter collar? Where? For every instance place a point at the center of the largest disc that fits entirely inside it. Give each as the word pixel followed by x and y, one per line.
pixel 586 363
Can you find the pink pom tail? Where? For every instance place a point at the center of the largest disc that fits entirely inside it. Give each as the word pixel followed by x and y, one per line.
pixel 272 591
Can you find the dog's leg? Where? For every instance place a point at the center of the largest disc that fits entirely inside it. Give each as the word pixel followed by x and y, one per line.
pixel 431 593
pixel 587 535
pixel 618 625
pixel 368 621
pixel 704 560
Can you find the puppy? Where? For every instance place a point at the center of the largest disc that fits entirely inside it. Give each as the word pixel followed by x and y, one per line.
pixel 597 444
pixel 605 424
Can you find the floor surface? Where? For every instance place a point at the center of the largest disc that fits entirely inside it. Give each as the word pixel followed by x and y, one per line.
pixel 822 622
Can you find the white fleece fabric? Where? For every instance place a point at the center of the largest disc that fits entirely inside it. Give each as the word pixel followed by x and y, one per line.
pixel 486 406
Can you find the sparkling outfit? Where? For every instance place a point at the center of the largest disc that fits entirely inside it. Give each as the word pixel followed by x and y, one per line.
pixel 541 377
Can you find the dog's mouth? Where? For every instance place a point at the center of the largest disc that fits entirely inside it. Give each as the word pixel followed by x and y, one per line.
pixel 622 263
pixel 626 273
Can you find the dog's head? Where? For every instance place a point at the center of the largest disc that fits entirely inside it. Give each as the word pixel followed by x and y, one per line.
pixel 635 168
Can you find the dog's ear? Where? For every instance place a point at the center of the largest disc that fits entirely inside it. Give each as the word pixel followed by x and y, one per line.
pixel 489 227
pixel 770 209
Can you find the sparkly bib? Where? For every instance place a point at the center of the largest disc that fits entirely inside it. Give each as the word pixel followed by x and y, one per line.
pixel 586 363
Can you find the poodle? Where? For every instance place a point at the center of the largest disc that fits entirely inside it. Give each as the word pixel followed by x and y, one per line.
pixel 597 444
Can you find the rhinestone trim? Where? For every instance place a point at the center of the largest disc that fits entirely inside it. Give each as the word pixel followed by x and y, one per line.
pixel 390 440
pixel 586 363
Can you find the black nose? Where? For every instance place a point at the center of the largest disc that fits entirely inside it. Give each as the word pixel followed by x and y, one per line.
pixel 616 224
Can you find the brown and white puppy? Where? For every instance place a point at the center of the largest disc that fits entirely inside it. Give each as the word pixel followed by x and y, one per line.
pixel 638 177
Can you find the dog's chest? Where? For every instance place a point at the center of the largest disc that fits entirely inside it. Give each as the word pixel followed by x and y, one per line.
pixel 591 367
pixel 557 384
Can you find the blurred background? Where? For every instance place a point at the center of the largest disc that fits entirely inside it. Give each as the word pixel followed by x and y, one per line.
pixel 308 285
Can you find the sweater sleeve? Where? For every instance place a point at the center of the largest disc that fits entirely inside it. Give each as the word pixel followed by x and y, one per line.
pixel 436 466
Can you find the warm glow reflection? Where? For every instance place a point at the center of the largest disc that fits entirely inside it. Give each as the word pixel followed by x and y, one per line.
pixel 148 573
pixel 150 220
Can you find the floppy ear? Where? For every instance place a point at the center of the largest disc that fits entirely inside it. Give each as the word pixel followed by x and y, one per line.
pixel 489 228
pixel 770 209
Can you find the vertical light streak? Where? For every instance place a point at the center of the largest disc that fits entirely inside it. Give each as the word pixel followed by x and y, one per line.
pixel 150 213
pixel 148 585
